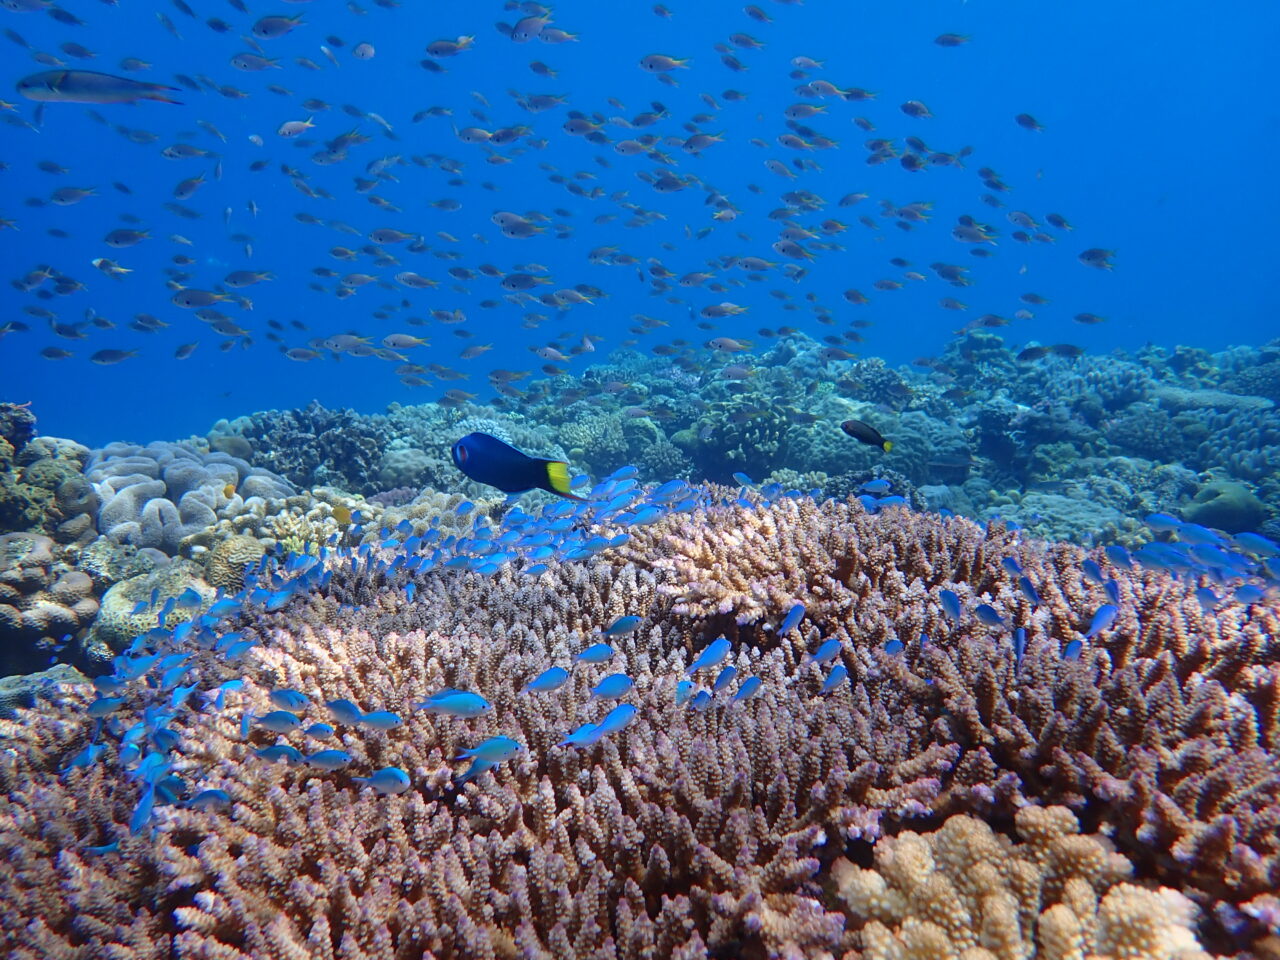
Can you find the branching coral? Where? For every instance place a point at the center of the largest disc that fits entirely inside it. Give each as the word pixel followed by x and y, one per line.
pixel 688 833
pixel 1167 728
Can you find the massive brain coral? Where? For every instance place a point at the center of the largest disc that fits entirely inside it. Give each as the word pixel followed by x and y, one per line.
pixel 690 833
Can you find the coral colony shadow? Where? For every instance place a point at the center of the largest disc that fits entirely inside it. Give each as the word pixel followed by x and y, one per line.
pixel 630 491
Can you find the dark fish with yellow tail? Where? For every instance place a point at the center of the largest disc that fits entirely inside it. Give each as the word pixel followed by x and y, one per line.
pixel 87 86
pixel 488 460
pixel 865 433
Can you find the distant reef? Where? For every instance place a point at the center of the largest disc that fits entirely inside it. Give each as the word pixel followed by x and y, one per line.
pixel 1067 447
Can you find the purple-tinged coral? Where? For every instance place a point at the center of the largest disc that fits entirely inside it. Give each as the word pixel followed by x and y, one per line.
pixel 690 832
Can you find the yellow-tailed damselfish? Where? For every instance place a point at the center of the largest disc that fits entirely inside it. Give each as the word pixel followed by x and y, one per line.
pixel 487 459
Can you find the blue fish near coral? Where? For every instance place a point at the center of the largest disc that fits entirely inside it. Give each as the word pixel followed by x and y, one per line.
pixel 792 619
pixel 329 760
pixel 104 705
pixel 290 700
pixel 344 711
pixel 613 687
pixel 86 757
pixel 713 656
pixel 988 615
pixel 488 460
pixel 950 604
pixel 596 653
pixel 1102 620
pixel 280 721
pixel 748 689
pixel 623 626
pixel 387 781
pixel 210 801
pixel 839 674
pixel 615 720
pixel 458 703
pixel 547 681
pixel 281 751
pixel 579 737
pixel 494 750
pixel 142 812
pixel 828 651
pixel 381 720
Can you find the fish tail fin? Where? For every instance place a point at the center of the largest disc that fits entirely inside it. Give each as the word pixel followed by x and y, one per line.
pixel 888 445
pixel 558 479
pixel 156 95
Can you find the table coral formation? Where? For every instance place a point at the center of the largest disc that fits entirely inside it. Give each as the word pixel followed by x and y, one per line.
pixel 693 831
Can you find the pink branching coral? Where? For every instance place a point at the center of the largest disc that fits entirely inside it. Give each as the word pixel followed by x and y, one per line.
pixel 687 834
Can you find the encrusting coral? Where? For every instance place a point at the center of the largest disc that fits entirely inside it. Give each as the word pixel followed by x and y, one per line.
pixel 689 833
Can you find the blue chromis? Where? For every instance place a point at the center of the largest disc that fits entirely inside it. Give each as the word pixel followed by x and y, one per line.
pixel 712 656
pixel 623 626
pixel 280 721
pixel 344 711
pixel 329 760
pixel 950 604
pixel 281 751
pixel 104 705
pixel 210 800
pixel 792 619
pixel 492 750
pixel 988 615
pixel 615 720
pixel 491 461
pixel 579 737
pixel 613 687
pixel 684 690
pixel 838 675
pixel 1102 620
pixel 381 720
pixel 829 650
pixel 596 653
pixel 456 703
pixel 290 700
pixel 548 681
pixel 387 781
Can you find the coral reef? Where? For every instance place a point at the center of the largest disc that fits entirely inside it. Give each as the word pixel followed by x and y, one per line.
pixel 160 495
pixel 690 832
pixel 311 447
pixel 1170 733
pixel 41 490
pixel 120 621
pixel 964 891
pixel 224 568
pixel 43 602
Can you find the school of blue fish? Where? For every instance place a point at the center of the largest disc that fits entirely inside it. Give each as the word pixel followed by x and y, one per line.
pixel 1246 567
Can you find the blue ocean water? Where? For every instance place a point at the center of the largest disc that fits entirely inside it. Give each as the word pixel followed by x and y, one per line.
pixel 1154 145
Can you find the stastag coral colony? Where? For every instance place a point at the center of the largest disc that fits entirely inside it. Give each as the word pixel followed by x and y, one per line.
pixel 987 778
